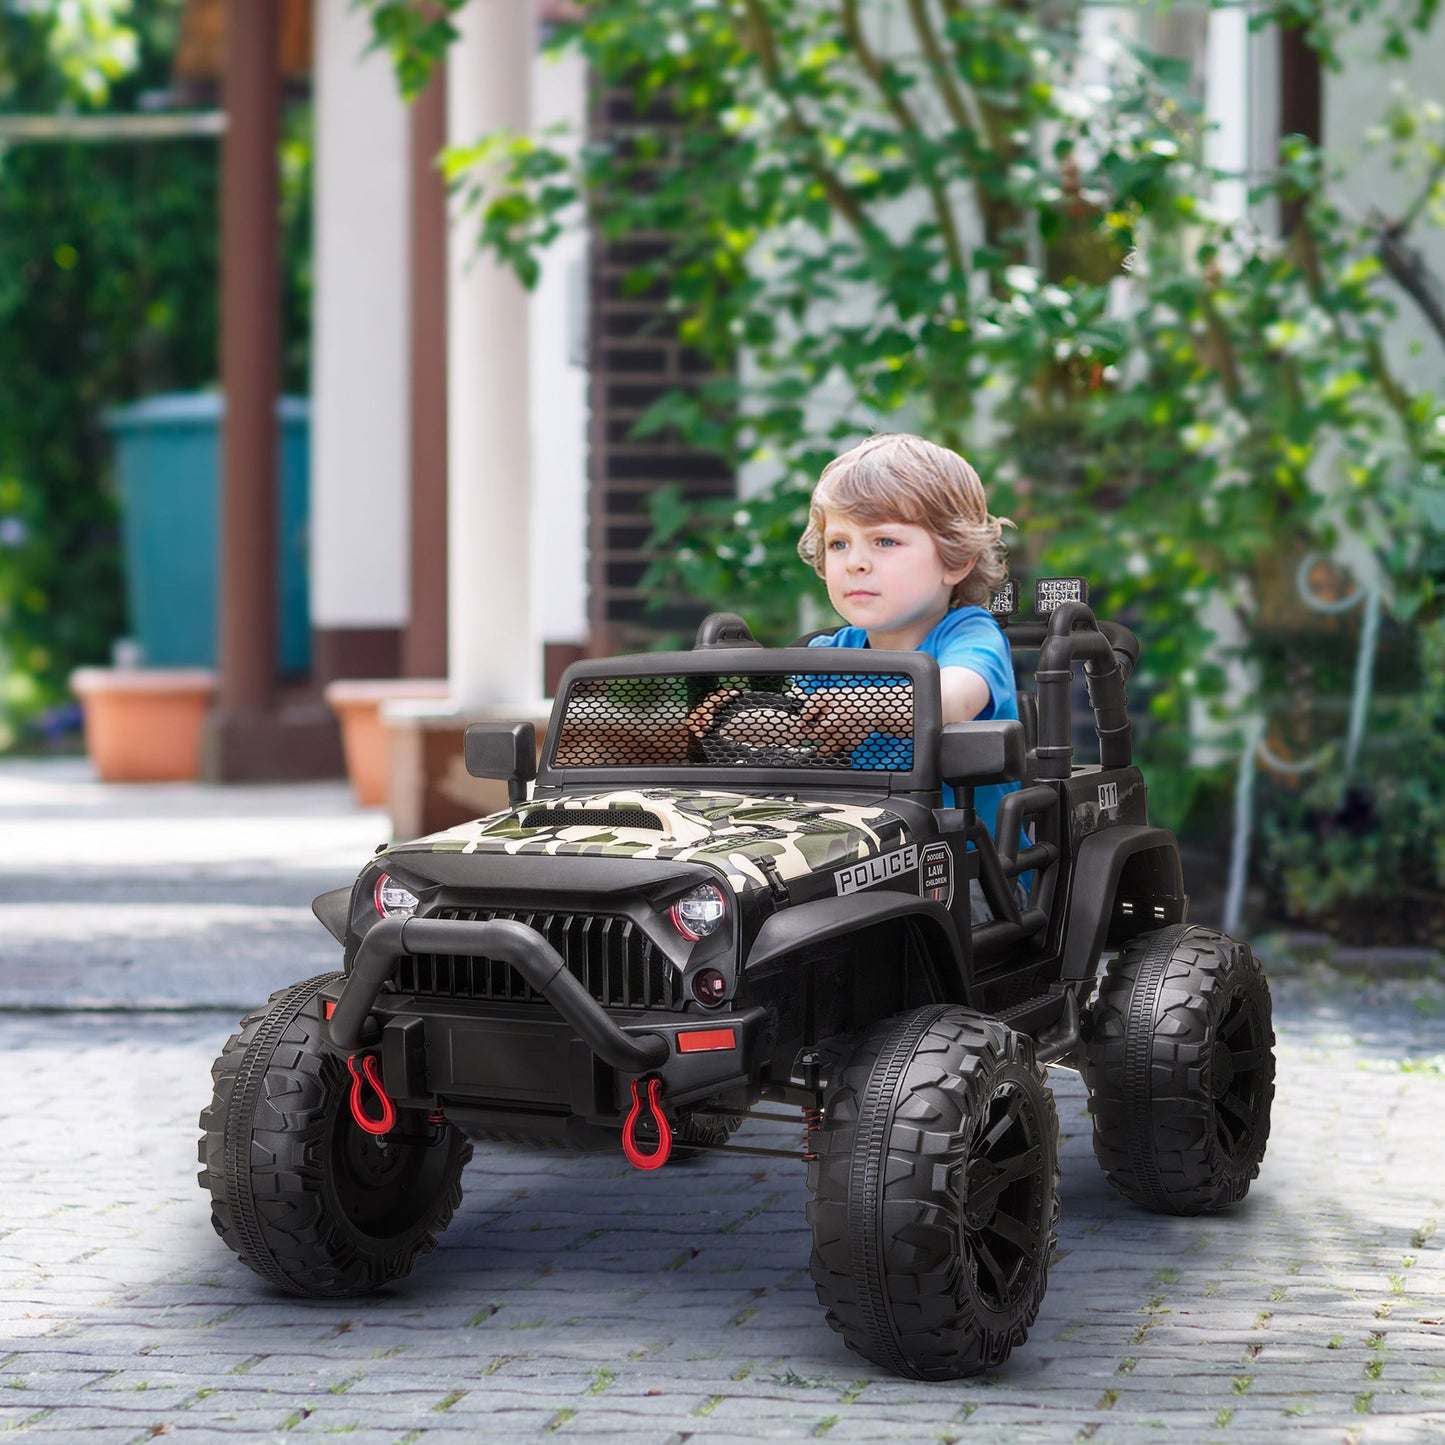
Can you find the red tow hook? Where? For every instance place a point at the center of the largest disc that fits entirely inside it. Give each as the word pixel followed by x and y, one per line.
pixel 387 1121
pixel 635 1156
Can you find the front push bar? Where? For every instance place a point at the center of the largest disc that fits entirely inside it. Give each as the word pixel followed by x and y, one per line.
pixel 510 942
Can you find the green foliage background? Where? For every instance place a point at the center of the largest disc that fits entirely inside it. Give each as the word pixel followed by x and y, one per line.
pixel 108 293
pixel 959 219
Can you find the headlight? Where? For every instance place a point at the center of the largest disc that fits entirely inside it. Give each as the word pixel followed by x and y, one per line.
pixel 392 899
pixel 697 914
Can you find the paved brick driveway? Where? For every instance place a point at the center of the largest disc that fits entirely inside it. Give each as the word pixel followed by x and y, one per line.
pixel 574 1298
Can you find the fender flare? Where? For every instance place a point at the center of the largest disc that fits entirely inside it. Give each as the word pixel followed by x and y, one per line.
pixel 826 918
pixel 1098 866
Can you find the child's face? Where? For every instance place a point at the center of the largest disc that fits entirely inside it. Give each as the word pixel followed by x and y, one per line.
pixel 887 578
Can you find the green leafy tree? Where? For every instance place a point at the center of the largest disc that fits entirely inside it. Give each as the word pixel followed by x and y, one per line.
pixel 971 221
pixel 108 292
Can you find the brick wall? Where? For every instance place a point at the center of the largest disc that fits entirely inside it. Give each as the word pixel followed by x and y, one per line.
pixel 635 357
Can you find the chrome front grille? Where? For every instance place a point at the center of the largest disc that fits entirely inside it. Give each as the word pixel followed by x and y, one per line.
pixel 612 958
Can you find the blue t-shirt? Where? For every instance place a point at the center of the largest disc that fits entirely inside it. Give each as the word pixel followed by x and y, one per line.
pixel 967 637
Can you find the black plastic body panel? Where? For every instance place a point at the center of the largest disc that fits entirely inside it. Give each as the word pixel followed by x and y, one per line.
pixel 809 958
pixel 1098 866
pixel 636 888
pixel 810 924
pixel 508 1058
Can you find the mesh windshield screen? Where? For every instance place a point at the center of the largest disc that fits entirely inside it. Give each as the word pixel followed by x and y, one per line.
pixel 857 720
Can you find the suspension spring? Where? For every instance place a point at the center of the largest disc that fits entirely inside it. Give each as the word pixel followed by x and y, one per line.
pixel 812 1119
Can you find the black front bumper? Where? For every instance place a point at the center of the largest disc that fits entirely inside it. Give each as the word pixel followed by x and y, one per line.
pixel 569 1056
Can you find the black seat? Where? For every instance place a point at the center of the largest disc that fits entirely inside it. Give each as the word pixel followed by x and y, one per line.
pixel 723 629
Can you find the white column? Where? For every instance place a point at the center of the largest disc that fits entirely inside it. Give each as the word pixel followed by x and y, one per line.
pixel 559 387
pixel 359 352
pixel 1226 108
pixel 494 652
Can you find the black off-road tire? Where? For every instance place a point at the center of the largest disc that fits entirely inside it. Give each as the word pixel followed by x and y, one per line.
pixel 1180 1069
pixel 935 1194
pixel 309 1201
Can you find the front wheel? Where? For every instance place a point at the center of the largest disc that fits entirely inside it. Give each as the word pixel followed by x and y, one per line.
pixel 935 1194
pixel 303 1196
pixel 1180 1069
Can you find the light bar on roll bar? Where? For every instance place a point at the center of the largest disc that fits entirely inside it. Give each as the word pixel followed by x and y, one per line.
pixel 1005 602
pixel 1050 593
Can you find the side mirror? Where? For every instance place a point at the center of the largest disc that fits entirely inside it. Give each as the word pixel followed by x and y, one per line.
pixel 974 754
pixel 503 750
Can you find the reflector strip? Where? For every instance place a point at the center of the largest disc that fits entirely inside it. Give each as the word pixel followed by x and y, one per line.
pixel 328 1007
pixel 704 1041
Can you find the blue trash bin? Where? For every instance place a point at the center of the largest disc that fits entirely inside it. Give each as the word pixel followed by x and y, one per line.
pixel 168 462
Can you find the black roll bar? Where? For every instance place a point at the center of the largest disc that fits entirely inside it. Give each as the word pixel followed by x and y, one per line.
pixel 1109 653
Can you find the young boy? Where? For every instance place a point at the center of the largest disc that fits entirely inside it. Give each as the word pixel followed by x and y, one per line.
pixel 900 531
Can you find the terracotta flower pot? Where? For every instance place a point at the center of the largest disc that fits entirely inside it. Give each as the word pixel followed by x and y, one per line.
pixel 357 704
pixel 143 725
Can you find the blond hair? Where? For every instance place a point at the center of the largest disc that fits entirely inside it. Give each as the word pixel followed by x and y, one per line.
pixel 895 477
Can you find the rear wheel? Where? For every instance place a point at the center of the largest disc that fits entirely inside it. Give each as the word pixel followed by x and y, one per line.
pixel 935 1194
pixel 1180 1070
pixel 303 1196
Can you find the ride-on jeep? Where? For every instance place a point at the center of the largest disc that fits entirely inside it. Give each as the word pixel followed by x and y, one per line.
pixel 700 909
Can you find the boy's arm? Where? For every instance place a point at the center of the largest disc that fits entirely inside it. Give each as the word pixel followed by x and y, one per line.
pixel 964 692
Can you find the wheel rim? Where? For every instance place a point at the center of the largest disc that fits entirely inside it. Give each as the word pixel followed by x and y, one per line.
pixel 384 1186
pixel 1236 1076
pixel 1002 1216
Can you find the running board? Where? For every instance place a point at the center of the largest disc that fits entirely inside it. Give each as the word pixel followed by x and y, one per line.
pixel 1051 1020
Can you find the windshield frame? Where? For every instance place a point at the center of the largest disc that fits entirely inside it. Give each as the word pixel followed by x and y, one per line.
pixel 919 667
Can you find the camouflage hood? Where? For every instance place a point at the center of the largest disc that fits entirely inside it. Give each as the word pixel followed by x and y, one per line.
pixel 742 837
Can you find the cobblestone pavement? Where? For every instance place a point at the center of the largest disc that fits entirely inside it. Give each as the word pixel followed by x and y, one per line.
pixel 576 1298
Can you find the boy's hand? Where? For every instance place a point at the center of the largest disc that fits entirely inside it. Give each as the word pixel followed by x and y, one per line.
pixel 840 718
pixel 737 725
pixel 701 719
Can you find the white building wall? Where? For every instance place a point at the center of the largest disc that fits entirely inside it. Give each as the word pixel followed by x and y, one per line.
pixel 558 361
pixel 359 508
pixel 1355 100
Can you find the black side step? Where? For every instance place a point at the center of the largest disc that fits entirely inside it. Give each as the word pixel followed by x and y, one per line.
pixel 1051 1019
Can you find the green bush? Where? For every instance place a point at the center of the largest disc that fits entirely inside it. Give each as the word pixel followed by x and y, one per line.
pixel 1365 852
pixel 108 292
